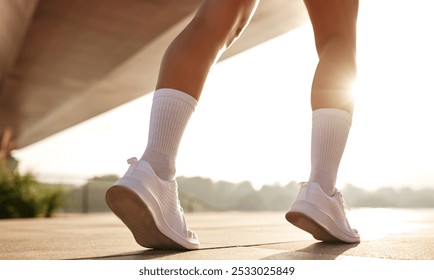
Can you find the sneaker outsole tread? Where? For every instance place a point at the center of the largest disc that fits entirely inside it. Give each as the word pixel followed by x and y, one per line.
pixel 321 215
pixel 134 213
pixel 309 225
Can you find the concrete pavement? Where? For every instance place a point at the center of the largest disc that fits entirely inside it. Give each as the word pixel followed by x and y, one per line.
pixel 398 234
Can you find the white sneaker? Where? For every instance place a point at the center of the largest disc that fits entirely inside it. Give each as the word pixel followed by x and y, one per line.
pixel 321 215
pixel 150 208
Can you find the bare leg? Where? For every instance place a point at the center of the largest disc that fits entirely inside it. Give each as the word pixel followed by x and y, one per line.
pixel 213 29
pixel 184 69
pixel 334 24
pixel 318 208
pixel 146 197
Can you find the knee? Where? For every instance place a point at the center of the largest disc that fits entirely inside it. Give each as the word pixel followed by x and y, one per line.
pixel 235 31
pixel 246 10
pixel 343 44
pixel 226 21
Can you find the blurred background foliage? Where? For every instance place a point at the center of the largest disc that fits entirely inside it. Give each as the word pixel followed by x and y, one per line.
pixel 21 196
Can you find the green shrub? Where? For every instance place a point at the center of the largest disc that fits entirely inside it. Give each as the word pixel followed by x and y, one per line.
pixel 21 196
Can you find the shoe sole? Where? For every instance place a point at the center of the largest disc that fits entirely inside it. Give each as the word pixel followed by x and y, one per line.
pixel 306 216
pixel 135 214
pixel 307 224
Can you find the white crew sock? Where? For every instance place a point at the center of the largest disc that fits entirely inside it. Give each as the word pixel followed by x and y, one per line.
pixel 170 113
pixel 330 129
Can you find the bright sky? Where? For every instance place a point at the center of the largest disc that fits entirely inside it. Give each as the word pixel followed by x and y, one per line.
pixel 253 121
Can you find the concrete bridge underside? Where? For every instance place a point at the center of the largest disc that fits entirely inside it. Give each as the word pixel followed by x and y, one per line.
pixel 65 61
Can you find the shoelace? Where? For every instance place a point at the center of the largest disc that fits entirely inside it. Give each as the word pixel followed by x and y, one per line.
pixel 178 202
pixel 134 160
pixel 342 201
pixel 181 210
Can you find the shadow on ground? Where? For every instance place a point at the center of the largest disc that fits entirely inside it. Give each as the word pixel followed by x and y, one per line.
pixel 316 251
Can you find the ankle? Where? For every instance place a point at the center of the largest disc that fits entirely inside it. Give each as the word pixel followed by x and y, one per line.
pixel 327 187
pixel 163 166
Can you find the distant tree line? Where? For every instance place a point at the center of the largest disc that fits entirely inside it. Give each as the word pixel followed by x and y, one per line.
pixel 404 197
pixel 23 196
pixel 243 197
pixel 226 196
pixel 199 194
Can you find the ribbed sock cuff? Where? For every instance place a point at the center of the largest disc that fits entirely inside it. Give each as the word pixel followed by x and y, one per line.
pixel 333 113
pixel 174 93
pixel 330 129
